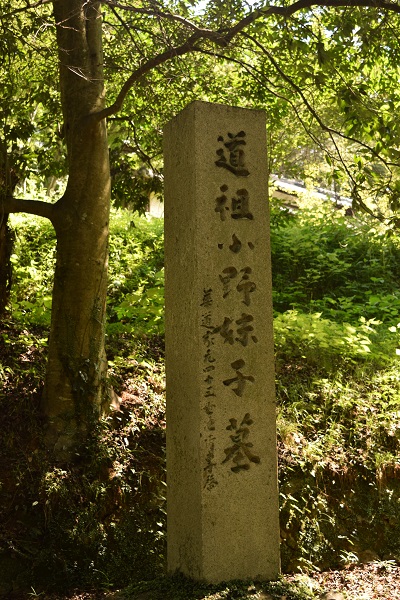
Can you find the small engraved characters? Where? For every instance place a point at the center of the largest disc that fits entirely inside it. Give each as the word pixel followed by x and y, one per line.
pixel 208 341
pixel 240 380
pixel 240 451
pixel 208 358
pixel 209 410
pixel 208 368
pixel 233 158
pixel 207 298
pixel 238 207
pixel 209 478
pixel 206 320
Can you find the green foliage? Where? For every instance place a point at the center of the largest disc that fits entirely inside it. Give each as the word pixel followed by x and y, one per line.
pixel 341 422
pixel 33 269
pixel 344 267
pixel 338 397
pixel 324 342
pixel 136 275
pixel 136 272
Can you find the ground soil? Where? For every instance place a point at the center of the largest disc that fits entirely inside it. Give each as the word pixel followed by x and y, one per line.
pixel 373 581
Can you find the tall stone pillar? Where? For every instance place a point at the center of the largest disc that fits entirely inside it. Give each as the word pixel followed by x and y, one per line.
pixel 222 494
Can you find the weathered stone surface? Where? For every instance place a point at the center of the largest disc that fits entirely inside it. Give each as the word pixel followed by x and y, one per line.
pixel 221 435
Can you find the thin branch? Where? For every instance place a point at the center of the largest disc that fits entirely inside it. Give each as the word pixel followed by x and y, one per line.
pixel 125 26
pixel 32 207
pixel 220 38
pixel 299 91
pixel 152 12
pixel 188 46
pixel 287 11
pixel 26 8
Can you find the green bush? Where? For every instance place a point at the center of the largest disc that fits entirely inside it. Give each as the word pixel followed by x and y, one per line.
pixel 136 274
pixel 337 343
pixel 33 268
pixel 327 343
pixel 344 267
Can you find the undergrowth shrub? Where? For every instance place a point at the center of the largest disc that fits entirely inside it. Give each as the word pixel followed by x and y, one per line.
pixel 344 267
pixel 337 342
pixel 33 268
pixel 327 343
pixel 136 274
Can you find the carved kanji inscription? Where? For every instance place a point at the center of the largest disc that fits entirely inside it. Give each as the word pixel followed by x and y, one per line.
pixel 240 451
pixel 232 155
pixel 238 383
pixel 237 206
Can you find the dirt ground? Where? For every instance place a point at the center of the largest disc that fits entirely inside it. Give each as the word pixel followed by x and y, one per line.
pixel 373 581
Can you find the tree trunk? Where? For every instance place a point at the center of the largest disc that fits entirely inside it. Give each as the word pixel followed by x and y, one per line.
pixel 8 182
pixel 6 246
pixel 75 386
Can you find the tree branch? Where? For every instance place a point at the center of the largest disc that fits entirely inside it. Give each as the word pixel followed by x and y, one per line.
pixel 151 12
pixel 300 92
pixel 125 26
pixel 287 11
pixel 32 207
pixel 188 46
pixel 26 8
pixel 219 38
pixel 291 9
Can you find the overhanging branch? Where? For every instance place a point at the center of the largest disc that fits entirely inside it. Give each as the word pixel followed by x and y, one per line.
pixel 187 47
pixel 219 38
pixel 32 207
pixel 287 11
pixel 28 6
pixel 151 12
pixel 320 122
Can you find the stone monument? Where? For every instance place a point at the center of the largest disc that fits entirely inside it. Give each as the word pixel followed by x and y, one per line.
pixel 222 492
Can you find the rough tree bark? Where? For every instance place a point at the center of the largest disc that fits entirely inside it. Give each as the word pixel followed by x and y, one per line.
pixel 75 383
pixel 8 182
pixel 6 245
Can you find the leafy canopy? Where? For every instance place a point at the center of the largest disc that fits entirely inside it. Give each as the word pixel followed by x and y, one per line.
pixel 321 72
